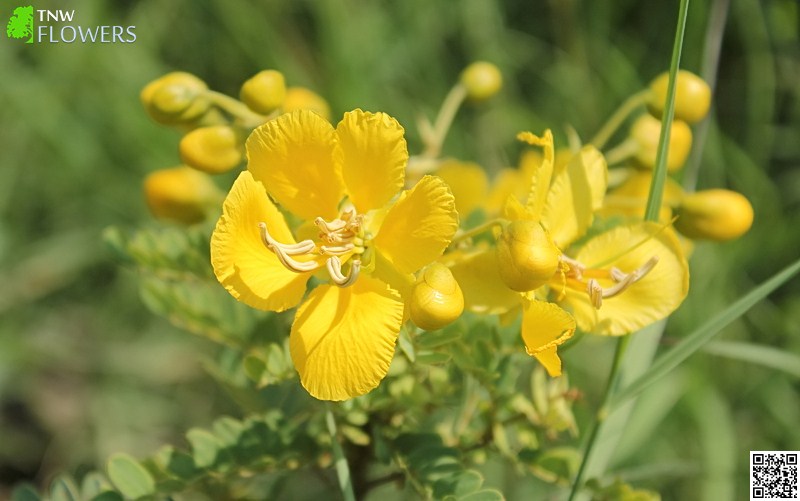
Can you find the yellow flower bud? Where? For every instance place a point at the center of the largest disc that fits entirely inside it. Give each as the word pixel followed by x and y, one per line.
pixel 180 194
pixel 175 98
pixel 526 256
pixel 692 96
pixel 214 149
pixel 264 92
pixel 714 215
pixel 300 98
pixel 646 130
pixel 482 80
pixel 436 299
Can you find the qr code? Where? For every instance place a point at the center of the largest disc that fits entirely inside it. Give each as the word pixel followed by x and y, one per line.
pixel 773 475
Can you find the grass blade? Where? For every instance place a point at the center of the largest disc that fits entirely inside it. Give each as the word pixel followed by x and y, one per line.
pixel 702 335
pixel 756 354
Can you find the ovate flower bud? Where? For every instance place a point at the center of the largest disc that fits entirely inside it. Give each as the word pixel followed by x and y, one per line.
pixel 175 98
pixel 526 256
pixel 181 194
pixel 646 130
pixel 692 96
pixel 714 215
pixel 264 92
pixel 300 98
pixel 436 299
pixel 482 80
pixel 214 149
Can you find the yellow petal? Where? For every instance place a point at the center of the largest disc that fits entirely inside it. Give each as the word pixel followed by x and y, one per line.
pixel 419 226
pixel 293 156
pixel 342 339
pixel 630 198
pixel 544 327
pixel 506 182
pixel 372 157
pixel 467 182
pixel 550 360
pixel 540 181
pixel 241 261
pixel 480 282
pixel 575 194
pixel 650 299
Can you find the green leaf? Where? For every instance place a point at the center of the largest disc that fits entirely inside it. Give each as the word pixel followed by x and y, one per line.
pixel 25 492
pixel 467 482
pixel 94 484
pixel 107 496
pixel 63 488
pixel 432 357
pixel 767 356
pixel 129 477
pixel 205 447
pixel 702 335
pixel 433 339
pixel 483 495
pixel 228 430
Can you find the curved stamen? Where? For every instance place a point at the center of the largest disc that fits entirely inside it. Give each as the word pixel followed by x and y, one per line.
pixel 597 293
pixel 284 251
pixel 576 268
pixel 334 266
pixel 339 250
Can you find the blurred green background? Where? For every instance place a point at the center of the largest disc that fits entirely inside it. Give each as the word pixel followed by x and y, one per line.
pixel 86 370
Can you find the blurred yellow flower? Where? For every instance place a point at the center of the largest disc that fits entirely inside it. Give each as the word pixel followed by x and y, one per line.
pixel 343 184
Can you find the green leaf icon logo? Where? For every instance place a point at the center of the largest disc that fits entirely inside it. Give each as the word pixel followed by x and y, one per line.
pixel 21 24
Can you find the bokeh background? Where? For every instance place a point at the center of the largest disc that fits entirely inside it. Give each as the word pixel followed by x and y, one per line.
pixel 87 370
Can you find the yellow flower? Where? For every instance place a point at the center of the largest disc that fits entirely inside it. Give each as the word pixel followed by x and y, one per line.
pixel 618 282
pixel 367 241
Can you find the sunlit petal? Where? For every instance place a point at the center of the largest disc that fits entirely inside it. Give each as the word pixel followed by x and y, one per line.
pixel 468 183
pixel 241 261
pixel 372 157
pixel 343 339
pixel 293 156
pixel 575 194
pixel 419 226
pixel 544 327
pixel 484 291
pixel 650 299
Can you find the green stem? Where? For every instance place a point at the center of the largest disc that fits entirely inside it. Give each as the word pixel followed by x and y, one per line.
pixel 342 468
pixel 660 170
pixel 460 237
pixel 238 109
pixel 618 118
pixel 602 413
pixel 623 151
pixel 452 102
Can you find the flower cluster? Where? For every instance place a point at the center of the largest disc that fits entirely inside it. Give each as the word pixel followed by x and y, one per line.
pixel 341 223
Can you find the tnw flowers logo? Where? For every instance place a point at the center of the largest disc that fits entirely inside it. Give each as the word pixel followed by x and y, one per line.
pixel 21 24
pixel 54 26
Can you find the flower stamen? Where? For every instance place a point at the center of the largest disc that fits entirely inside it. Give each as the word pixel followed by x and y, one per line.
pixel 342 233
pixel 623 280
pixel 335 270
pixel 284 251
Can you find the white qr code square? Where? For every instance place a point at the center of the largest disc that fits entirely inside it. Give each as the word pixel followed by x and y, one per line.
pixel 773 475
